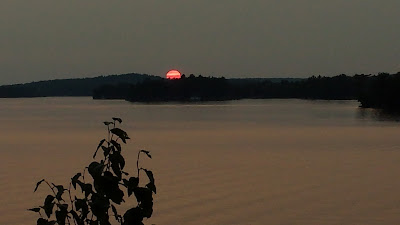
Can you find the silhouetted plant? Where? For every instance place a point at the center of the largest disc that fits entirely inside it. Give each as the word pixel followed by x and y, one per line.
pixel 93 203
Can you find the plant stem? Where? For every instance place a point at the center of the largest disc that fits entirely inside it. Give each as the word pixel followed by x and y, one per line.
pixel 137 165
pixel 50 187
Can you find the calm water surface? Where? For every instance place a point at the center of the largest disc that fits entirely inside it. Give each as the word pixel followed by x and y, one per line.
pixel 236 162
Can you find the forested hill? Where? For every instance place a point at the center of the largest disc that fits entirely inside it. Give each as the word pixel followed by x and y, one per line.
pixel 70 87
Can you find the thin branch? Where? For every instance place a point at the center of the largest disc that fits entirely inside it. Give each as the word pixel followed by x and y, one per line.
pixel 137 164
pixel 52 188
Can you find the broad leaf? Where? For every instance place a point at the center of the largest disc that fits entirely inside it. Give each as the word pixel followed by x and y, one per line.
pixel 81 204
pixel 48 205
pixel 108 184
pixel 152 187
pixel 95 169
pixel 150 175
pixel 60 191
pixel 86 188
pixel 61 214
pixel 120 133
pixel 106 151
pixel 99 205
pixel 147 208
pixel 143 195
pixel 42 221
pixel 116 145
pixel 133 217
pixel 117 163
pixel 116 169
pixel 131 184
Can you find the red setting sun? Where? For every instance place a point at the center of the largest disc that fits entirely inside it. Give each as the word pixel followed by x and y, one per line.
pixel 173 74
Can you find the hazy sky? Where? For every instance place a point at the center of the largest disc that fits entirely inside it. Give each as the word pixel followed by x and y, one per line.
pixel 49 39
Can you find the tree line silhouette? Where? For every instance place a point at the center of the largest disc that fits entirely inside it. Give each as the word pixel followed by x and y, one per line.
pixel 381 91
pixel 376 91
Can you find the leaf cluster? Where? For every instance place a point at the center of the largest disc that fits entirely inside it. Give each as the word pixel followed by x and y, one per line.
pixel 96 201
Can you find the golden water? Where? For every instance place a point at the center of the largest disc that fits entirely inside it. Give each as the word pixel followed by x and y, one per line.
pixel 238 162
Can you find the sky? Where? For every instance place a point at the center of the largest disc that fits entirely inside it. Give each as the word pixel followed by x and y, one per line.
pixel 47 39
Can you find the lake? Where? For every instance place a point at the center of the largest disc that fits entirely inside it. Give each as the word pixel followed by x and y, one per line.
pixel 235 162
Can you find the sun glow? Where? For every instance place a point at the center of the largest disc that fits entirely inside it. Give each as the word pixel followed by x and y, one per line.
pixel 173 74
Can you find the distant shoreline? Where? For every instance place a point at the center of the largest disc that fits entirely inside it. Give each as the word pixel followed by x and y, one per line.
pixel 372 91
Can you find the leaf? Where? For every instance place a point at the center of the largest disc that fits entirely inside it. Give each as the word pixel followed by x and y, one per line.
pixel 48 209
pixel 100 144
pixel 133 217
pixel 99 205
pixel 48 205
pixel 95 169
pixel 147 209
pixel 109 185
pixel 143 195
pixel 78 220
pixel 49 199
pixel 131 184
pixel 86 188
pixel 120 133
pixel 37 185
pixel 35 209
pixel 117 163
pixel 106 151
pixel 146 152
pixel 75 179
pixel 63 206
pixel 150 175
pixel 81 204
pixel 61 215
pixel 60 191
pixel 42 221
pixel 117 119
pixel 121 161
pixel 116 169
pixel 152 187
pixel 116 144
